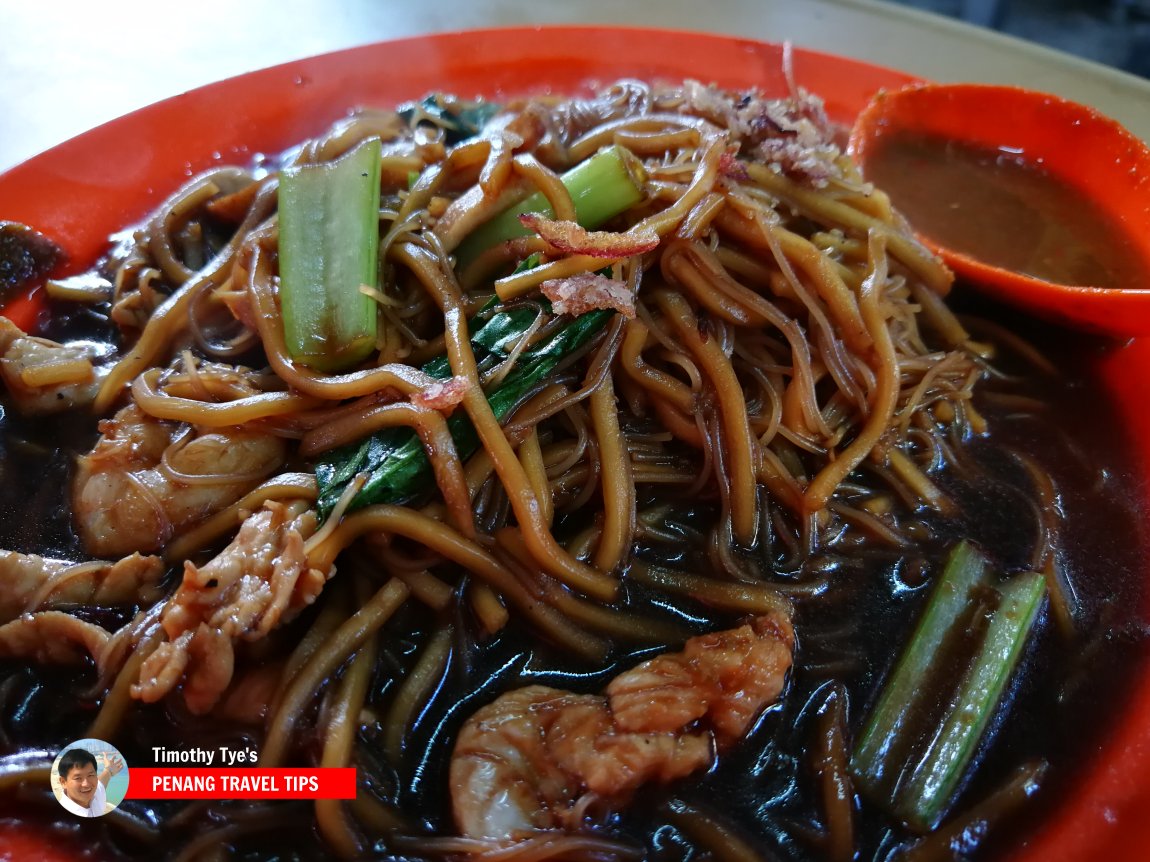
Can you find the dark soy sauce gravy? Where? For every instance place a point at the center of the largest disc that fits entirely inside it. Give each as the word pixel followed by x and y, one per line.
pixel 1060 707
pixel 1003 209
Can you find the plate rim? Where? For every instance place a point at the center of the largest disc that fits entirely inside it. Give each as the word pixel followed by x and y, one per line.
pixel 1118 778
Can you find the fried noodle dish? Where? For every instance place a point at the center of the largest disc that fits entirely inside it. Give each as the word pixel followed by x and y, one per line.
pixel 603 478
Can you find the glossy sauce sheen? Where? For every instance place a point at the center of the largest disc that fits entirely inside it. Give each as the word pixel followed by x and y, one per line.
pixel 996 206
pixel 1059 709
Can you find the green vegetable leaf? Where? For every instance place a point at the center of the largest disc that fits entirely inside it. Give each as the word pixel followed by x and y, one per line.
pixel 394 460
pixel 459 120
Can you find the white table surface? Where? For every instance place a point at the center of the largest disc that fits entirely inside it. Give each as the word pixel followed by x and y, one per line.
pixel 68 65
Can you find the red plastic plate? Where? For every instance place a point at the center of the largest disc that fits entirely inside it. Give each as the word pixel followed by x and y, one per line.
pixel 81 191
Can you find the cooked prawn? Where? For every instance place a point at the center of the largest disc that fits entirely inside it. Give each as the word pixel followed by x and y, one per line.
pixel 539 758
pixel 43 376
pixel 258 581
pixel 51 637
pixel 147 479
pixel 29 582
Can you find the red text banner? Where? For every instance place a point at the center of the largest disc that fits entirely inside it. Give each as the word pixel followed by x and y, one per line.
pixel 241 783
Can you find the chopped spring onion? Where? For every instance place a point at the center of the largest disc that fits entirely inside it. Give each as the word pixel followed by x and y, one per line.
pixel 329 248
